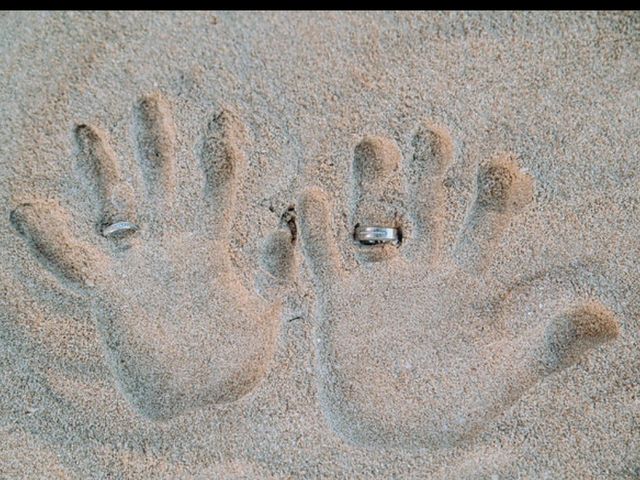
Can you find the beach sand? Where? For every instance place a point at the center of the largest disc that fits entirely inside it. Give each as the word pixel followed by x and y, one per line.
pixel 240 331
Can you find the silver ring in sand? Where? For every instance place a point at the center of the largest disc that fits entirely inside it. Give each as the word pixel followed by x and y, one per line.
pixel 119 229
pixel 376 235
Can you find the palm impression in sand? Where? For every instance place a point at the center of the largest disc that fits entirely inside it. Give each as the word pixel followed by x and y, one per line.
pixel 417 344
pixel 180 329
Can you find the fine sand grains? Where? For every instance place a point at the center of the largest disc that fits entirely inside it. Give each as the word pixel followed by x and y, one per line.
pixel 240 332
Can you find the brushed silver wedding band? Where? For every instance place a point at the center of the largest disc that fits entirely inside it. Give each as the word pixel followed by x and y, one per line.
pixel 375 235
pixel 119 229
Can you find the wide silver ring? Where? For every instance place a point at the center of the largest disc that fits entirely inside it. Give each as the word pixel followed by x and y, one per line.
pixel 375 235
pixel 119 229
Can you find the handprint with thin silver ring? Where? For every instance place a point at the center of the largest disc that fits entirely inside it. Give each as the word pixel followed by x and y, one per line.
pixel 180 329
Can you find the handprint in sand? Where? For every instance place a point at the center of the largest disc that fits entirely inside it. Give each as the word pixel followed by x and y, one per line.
pixel 418 344
pixel 180 329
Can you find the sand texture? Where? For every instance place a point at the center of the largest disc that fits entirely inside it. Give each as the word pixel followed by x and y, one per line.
pixel 237 330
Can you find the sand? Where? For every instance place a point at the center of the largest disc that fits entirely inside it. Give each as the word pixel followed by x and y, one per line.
pixel 239 331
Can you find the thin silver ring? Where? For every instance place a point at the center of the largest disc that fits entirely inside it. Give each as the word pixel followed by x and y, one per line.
pixel 375 235
pixel 119 229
